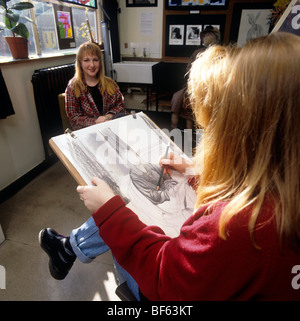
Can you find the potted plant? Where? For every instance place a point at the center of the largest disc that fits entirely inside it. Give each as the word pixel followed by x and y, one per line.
pixel 14 22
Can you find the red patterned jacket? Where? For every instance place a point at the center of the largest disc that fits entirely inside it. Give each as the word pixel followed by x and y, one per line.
pixel 83 112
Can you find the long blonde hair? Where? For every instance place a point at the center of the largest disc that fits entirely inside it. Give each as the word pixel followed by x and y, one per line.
pixel 105 83
pixel 248 101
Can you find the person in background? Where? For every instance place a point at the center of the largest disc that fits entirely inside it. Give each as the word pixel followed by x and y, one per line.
pixel 209 36
pixel 91 97
pixel 180 103
pixel 243 240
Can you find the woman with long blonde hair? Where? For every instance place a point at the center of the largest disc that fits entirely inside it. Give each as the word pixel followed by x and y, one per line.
pixel 90 96
pixel 243 240
pixel 248 102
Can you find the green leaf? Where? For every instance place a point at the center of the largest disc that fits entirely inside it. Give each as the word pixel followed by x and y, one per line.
pixel 12 17
pixel 21 30
pixel 10 20
pixel 22 6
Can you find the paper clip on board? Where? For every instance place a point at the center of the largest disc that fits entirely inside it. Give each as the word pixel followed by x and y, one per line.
pixel 69 131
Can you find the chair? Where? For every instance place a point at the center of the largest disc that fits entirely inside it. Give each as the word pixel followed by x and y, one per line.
pixel 63 115
pixel 181 109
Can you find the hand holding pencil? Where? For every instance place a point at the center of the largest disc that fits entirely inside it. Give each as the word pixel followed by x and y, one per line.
pixel 162 169
pixel 172 161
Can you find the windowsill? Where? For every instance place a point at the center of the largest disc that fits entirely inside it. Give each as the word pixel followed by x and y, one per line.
pixel 32 58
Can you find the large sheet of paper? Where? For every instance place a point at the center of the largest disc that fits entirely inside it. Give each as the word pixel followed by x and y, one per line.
pixel 125 153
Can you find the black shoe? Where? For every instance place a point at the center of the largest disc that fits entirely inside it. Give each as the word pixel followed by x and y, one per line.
pixel 60 252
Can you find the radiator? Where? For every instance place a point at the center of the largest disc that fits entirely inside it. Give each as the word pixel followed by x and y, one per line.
pixel 48 83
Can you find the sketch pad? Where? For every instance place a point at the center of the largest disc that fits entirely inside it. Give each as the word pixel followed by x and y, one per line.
pixel 125 153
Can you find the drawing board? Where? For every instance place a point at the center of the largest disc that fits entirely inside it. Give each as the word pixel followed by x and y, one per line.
pixel 125 153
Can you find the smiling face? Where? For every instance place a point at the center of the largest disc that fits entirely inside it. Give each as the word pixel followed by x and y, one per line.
pixel 90 65
pixel 89 68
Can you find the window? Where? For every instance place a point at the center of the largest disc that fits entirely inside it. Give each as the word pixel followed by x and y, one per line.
pixel 79 16
pixel 46 28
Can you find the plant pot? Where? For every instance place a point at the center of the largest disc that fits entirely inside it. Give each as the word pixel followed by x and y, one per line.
pixel 18 47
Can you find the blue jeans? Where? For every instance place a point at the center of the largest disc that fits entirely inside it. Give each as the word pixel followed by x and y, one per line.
pixel 87 245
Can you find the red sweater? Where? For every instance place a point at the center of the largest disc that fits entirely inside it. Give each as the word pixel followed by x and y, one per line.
pixel 198 264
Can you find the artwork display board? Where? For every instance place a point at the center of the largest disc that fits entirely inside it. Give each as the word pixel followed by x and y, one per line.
pixel 125 153
pixel 183 32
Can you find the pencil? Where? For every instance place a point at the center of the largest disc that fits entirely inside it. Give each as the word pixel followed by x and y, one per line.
pixel 162 169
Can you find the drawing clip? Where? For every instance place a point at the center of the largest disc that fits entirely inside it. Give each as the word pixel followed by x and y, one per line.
pixel 69 131
pixel 133 114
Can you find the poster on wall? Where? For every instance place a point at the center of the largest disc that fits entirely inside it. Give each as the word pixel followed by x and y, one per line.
pixel 64 27
pixel 290 20
pixel 146 23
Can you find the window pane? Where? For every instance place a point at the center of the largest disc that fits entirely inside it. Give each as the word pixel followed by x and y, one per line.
pixel 93 23
pixel 31 42
pixel 4 49
pixel 79 17
pixel 46 26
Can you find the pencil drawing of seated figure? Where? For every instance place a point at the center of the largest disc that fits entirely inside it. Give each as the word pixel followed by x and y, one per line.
pixel 173 202
pixel 132 176
pixel 144 175
pixel 145 178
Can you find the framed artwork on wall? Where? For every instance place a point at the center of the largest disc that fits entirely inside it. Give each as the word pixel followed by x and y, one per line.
pixel 64 26
pixel 250 20
pixel 141 3
pixel 196 4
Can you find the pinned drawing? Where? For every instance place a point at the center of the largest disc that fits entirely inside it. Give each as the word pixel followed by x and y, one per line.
pixel 125 153
pixel 254 23
pixel 193 35
pixel 176 35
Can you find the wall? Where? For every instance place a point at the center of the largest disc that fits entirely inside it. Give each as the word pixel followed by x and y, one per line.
pixel 129 28
pixel 129 25
pixel 20 138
